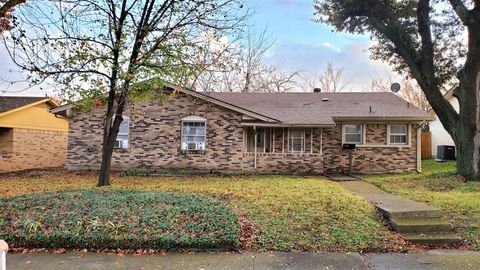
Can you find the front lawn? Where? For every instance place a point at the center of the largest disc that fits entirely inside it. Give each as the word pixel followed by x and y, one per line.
pixel 122 219
pixel 287 213
pixel 439 186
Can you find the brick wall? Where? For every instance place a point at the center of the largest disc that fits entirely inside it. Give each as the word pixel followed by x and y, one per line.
pixel 381 158
pixel 155 138
pixel 376 133
pixel 286 163
pixel 6 149
pixel 23 149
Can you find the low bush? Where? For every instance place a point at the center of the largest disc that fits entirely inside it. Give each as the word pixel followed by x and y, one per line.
pixel 134 172
pixel 124 219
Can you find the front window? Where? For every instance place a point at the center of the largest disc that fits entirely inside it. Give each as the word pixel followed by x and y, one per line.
pixel 122 136
pixel 398 134
pixel 193 135
pixel 296 140
pixel 353 133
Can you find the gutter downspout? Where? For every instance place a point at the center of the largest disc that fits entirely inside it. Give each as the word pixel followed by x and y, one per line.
pixel 419 150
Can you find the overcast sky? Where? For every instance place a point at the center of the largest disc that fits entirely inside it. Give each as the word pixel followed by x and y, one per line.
pixel 300 44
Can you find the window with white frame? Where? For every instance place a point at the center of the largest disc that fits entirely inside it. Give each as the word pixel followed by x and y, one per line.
pixel 122 136
pixel 193 133
pixel 353 133
pixel 398 134
pixel 296 140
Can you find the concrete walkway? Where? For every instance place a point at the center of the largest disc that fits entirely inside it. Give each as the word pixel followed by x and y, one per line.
pixel 386 202
pixel 417 222
pixel 437 259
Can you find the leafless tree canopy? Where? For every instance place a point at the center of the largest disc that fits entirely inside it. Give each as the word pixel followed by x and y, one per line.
pixel 409 90
pixel 330 80
pixel 245 69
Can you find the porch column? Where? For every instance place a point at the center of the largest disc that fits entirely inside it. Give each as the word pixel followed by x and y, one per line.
pixel 321 141
pixel 264 140
pixel 273 148
pixel 283 140
pixel 419 149
pixel 255 148
pixel 244 141
pixel 311 140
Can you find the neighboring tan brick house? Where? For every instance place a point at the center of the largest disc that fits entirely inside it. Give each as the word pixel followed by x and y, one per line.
pixel 255 132
pixel 30 136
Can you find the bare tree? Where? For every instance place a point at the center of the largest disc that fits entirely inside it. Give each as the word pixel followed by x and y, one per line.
pixel 380 84
pixel 409 90
pixel 330 80
pixel 245 69
pixel 103 50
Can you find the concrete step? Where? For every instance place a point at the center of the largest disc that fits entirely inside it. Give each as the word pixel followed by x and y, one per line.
pixel 437 213
pixel 421 224
pixel 432 238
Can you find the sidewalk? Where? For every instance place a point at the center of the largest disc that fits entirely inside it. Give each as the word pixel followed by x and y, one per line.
pixel 435 259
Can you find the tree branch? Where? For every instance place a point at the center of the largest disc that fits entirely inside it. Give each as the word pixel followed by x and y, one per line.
pixel 9 4
pixel 404 47
pixel 461 10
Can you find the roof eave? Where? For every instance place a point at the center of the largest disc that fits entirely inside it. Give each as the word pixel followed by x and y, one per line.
pixel 385 118
pixel 45 100
pixel 61 109
pixel 262 124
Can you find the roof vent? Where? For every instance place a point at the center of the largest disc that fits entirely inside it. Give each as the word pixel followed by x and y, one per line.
pixel 317 90
pixel 325 99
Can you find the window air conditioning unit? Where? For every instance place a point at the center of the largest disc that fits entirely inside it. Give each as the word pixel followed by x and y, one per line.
pixel 192 146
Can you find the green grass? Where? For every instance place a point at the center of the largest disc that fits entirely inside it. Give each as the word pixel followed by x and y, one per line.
pixel 288 213
pixel 117 219
pixel 439 186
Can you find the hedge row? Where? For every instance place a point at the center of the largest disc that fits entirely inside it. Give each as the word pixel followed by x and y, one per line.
pixel 122 219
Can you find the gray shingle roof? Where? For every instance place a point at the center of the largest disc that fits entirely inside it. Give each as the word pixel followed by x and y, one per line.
pixel 312 109
pixel 10 103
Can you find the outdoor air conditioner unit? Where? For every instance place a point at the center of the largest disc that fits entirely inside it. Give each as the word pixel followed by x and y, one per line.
pixel 445 152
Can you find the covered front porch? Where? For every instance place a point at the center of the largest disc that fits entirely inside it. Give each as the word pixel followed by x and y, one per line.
pixel 283 149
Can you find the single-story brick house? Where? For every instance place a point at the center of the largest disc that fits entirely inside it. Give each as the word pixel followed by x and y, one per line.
pixel 255 132
pixel 30 136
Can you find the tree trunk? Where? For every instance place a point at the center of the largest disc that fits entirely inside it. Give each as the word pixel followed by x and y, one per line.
pixel 110 132
pixel 466 133
pixel 467 155
pixel 104 176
